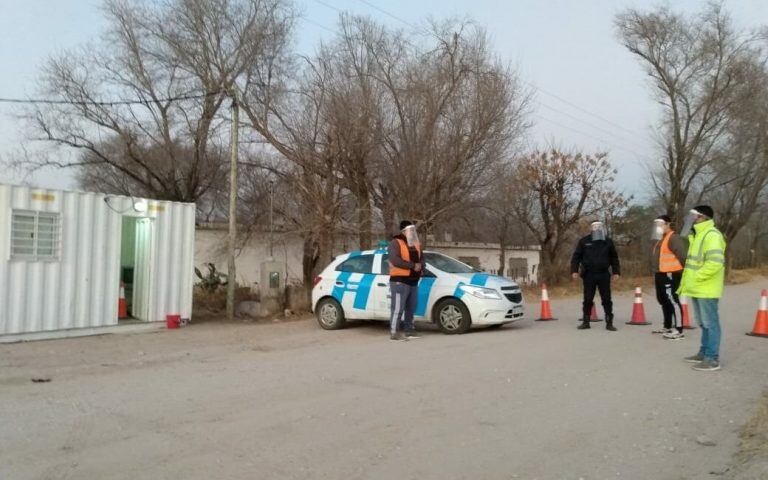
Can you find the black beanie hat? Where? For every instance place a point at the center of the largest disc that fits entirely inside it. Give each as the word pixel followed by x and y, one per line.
pixel 405 223
pixel 705 210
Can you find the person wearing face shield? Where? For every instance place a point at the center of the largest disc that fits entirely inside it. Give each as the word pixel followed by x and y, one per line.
pixel 596 261
pixel 703 282
pixel 667 260
pixel 405 268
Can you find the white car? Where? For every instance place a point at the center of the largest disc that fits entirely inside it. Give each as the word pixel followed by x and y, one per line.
pixel 453 295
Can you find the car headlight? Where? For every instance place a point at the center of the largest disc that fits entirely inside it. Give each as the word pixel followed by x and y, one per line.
pixel 481 292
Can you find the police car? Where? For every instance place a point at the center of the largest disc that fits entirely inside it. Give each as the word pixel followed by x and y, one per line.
pixel 453 295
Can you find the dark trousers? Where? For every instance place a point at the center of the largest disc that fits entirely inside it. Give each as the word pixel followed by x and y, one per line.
pixel 667 285
pixel 597 281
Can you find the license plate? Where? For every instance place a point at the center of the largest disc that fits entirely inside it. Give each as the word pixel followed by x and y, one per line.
pixel 517 311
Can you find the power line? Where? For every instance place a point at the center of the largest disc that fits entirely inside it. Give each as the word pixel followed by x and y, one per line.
pixel 614 124
pixel 104 103
pixel 599 139
pixel 596 127
pixel 536 87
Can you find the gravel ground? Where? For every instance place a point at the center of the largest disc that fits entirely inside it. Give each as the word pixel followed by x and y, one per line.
pixel 536 400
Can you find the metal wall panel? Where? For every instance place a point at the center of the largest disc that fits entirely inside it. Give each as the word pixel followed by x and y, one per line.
pixel 81 289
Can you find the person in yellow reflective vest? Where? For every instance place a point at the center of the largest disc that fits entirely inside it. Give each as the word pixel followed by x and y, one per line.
pixel 703 282
pixel 667 260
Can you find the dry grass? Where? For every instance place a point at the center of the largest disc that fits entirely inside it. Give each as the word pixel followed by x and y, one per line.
pixel 751 460
pixel 736 277
pixel 206 303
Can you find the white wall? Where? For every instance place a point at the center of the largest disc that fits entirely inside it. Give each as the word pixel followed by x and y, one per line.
pixel 211 246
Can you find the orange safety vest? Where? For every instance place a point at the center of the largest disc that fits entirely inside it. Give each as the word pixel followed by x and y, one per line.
pixel 406 255
pixel 668 262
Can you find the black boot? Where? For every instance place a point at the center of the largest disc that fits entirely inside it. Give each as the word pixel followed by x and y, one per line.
pixel 609 322
pixel 584 323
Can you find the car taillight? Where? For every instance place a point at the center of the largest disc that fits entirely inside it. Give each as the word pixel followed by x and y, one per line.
pixel 317 280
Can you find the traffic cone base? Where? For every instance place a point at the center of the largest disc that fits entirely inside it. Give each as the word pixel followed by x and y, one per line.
pixel 592 317
pixel 761 320
pixel 546 309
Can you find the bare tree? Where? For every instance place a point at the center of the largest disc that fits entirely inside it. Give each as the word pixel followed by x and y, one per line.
pixel 737 183
pixel 694 67
pixel 558 191
pixel 179 60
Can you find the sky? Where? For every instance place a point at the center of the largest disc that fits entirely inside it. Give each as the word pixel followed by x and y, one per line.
pixel 590 93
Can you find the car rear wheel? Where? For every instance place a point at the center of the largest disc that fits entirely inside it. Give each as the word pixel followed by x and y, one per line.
pixel 452 316
pixel 330 315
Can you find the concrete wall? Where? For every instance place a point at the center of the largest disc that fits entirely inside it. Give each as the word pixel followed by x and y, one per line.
pixel 211 246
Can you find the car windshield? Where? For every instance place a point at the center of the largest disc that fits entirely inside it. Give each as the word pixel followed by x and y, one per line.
pixel 447 264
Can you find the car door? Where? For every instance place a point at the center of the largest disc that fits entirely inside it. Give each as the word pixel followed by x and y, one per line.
pixel 383 298
pixel 381 295
pixel 353 285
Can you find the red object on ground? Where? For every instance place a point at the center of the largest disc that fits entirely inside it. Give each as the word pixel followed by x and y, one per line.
pixel 173 321
pixel 546 309
pixel 761 320
pixel 638 311
pixel 686 315
pixel 122 306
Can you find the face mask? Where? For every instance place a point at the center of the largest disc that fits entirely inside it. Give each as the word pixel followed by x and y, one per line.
pixel 690 220
pixel 658 230
pixel 411 236
pixel 598 232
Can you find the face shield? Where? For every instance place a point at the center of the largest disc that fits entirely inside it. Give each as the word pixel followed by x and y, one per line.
pixel 658 230
pixel 598 231
pixel 411 236
pixel 690 220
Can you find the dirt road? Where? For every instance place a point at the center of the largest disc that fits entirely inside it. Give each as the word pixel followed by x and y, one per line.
pixel 290 401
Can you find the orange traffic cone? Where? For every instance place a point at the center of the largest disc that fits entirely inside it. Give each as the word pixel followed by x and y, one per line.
pixel 592 316
pixel 761 321
pixel 546 309
pixel 638 312
pixel 686 316
pixel 122 306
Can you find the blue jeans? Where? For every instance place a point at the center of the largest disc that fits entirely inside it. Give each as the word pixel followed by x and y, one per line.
pixel 404 300
pixel 708 318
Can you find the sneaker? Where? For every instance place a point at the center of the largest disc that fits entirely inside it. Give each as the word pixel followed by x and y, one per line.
pixel 707 365
pixel 695 358
pixel 584 326
pixel 610 327
pixel 674 336
pixel 396 336
pixel 663 330
pixel 412 334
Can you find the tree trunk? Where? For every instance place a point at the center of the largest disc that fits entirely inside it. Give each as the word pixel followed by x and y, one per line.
pixel 364 217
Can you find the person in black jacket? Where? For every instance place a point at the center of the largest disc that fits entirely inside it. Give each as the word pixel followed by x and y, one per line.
pixel 596 261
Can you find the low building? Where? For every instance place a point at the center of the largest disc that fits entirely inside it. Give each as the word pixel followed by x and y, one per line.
pixel 69 259
pixel 521 263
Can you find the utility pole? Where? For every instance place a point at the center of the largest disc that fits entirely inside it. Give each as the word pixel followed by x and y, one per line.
pixel 231 273
pixel 271 228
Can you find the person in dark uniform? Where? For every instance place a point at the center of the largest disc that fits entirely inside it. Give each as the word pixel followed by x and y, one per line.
pixel 596 261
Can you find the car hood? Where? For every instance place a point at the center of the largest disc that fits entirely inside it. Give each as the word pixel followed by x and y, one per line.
pixel 483 280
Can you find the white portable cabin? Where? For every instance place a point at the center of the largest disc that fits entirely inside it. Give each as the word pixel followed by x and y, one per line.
pixel 64 255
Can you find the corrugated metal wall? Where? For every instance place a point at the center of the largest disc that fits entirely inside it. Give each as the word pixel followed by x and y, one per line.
pixel 81 289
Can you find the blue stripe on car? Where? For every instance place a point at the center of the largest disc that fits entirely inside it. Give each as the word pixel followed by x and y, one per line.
pixel 477 280
pixel 363 291
pixel 338 290
pixel 425 288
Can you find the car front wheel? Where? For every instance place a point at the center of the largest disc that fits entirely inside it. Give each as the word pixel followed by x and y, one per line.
pixel 330 315
pixel 452 316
